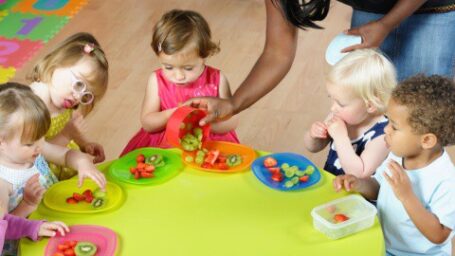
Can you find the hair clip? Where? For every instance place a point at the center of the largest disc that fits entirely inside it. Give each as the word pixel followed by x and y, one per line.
pixel 89 47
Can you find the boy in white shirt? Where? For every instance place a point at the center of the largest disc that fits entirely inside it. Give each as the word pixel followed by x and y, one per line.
pixel 415 186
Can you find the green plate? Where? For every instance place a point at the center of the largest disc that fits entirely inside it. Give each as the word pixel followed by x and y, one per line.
pixel 120 169
pixel 56 195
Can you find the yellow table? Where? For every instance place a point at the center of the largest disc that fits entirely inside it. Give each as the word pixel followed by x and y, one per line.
pixel 200 213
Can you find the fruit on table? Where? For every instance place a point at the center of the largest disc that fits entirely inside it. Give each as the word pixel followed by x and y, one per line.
pixel 85 249
pixel 75 248
pixel 89 197
pixel 270 162
pixel 233 160
pixel 192 141
pixel 290 175
pixel 339 217
pixel 155 160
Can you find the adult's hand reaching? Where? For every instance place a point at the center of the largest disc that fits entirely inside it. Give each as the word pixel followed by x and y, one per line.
pixel 217 109
pixel 372 33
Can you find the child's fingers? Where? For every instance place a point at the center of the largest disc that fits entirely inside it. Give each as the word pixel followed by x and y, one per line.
pixel 99 179
pixel 47 232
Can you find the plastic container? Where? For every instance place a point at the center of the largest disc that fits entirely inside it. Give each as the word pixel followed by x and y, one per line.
pixel 360 212
pixel 183 121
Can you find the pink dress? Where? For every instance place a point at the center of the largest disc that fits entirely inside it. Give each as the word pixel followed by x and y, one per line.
pixel 172 96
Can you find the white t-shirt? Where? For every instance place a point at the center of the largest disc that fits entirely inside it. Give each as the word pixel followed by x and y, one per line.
pixel 434 186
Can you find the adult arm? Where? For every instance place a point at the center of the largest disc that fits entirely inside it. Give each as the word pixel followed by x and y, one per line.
pixel 231 123
pixel 272 65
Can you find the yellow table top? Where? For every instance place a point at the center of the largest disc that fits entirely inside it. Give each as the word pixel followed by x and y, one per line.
pixel 201 213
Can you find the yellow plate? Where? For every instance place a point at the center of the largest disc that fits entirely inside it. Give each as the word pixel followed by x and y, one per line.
pixel 55 197
pixel 226 148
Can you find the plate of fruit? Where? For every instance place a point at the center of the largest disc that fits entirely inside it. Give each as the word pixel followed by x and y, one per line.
pixel 146 166
pixel 286 171
pixel 83 240
pixel 220 156
pixel 66 196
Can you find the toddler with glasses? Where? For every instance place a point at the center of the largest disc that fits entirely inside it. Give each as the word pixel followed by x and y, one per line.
pixel 71 80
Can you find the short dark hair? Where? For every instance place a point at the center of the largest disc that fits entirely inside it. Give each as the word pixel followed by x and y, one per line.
pixel 303 15
pixel 431 104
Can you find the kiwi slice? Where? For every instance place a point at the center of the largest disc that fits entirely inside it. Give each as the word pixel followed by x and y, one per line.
pixel 85 249
pixel 156 160
pixel 233 160
pixel 98 202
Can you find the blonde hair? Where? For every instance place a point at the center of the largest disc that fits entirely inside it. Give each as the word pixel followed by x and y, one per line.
pixel 19 99
pixel 369 73
pixel 178 28
pixel 68 53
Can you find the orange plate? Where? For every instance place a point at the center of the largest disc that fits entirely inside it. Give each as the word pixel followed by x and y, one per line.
pixel 247 153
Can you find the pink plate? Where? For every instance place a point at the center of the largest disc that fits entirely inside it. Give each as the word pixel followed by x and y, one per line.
pixel 104 239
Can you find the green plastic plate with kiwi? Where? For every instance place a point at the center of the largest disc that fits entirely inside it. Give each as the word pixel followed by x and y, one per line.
pixel 171 166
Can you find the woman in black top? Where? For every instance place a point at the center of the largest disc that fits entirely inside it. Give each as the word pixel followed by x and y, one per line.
pixel 417 35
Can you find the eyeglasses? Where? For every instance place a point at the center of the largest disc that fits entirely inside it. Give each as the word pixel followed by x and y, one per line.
pixel 80 88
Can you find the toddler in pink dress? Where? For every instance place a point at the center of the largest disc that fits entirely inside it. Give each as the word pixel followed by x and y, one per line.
pixel 182 42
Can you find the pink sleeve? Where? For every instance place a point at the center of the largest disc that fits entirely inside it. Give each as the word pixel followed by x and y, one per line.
pixel 3 227
pixel 20 227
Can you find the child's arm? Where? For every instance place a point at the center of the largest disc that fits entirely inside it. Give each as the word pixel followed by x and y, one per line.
pixel 317 138
pixel 368 187
pixel 427 223
pixel 76 160
pixel 231 123
pixel 18 227
pixel 33 193
pixel 75 130
pixel 152 119
pixel 361 166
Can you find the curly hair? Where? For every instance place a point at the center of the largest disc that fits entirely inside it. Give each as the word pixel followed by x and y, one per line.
pixel 431 104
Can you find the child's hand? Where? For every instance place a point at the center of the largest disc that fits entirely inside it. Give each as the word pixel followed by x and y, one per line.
pixel 33 191
pixel 318 130
pixel 399 181
pixel 96 150
pixel 337 128
pixel 348 181
pixel 92 173
pixel 50 228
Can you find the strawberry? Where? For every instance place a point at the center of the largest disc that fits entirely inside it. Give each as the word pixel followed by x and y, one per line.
pixel 140 166
pixel 69 252
pixel 58 254
pixel 71 200
pixel 137 175
pixel 149 168
pixel 270 162
pixel 304 178
pixel 62 247
pixel 221 159
pixel 338 218
pixel 133 170
pixel 146 175
pixel 221 166
pixel 71 243
pixel 207 166
pixel 274 170
pixel 140 158
pixel 278 177
pixel 89 198
pixel 87 192
pixel 78 197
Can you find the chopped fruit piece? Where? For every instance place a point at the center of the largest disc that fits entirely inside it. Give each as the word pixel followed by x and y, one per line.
pixel 270 162
pixel 304 178
pixel 278 177
pixel 140 158
pixel 78 197
pixel 338 218
pixel 212 156
pixel 71 200
pixel 274 169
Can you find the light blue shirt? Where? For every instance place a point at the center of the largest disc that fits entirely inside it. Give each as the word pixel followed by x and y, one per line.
pixel 434 186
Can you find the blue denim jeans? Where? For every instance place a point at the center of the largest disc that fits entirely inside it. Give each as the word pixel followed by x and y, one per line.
pixel 423 43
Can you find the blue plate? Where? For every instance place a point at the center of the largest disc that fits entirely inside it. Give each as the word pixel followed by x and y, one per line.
pixel 264 175
pixel 333 53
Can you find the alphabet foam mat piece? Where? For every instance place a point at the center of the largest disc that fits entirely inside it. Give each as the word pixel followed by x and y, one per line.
pixel 25 26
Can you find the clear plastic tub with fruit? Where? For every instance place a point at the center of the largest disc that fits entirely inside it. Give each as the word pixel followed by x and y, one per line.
pixel 343 216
